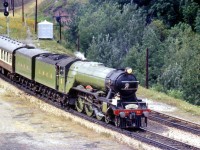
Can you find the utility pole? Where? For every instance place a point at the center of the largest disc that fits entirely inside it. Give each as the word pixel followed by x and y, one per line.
pixel 60 31
pixel 35 16
pixel 147 68
pixel 13 7
pixel 22 10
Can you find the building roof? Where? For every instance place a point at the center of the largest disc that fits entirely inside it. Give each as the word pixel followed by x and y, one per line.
pixel 45 22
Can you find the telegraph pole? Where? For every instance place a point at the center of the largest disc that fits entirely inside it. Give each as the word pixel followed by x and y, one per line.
pixel 60 32
pixel 13 5
pixel 147 68
pixel 22 10
pixel 35 16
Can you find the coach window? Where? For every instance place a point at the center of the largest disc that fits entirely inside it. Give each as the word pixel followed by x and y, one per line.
pixel 4 55
pixel 10 58
pixel 62 71
pixel 7 56
pixel 1 54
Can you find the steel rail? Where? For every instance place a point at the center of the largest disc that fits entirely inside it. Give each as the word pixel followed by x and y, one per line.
pixel 175 122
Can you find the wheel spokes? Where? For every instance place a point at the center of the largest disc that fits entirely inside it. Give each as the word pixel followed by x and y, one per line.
pixel 79 105
pixel 89 110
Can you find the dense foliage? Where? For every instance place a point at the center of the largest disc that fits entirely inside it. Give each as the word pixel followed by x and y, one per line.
pixel 118 32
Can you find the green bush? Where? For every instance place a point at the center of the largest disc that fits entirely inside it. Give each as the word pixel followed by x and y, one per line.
pixel 175 93
pixel 158 87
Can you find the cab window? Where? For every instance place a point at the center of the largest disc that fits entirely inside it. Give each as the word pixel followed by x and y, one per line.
pixel 62 71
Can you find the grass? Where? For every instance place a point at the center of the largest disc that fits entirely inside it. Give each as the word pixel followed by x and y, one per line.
pixel 17 28
pixel 53 46
pixel 161 97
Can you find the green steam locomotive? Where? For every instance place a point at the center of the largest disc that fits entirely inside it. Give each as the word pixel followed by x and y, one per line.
pixel 105 93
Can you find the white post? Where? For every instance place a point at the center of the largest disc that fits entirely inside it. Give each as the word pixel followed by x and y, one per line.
pixel 7 26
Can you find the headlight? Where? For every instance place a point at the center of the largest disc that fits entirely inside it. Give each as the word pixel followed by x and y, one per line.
pixel 128 70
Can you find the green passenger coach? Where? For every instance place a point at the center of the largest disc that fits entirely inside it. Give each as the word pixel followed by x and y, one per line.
pixel 7 51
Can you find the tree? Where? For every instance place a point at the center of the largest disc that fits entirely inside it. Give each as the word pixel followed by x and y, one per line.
pixel 101 50
pixel 166 10
pixel 71 35
pixel 124 28
pixel 183 57
pixel 190 12
pixel 152 39
pixel 197 22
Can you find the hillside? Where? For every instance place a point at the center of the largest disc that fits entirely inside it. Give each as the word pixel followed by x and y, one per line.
pixel 17 3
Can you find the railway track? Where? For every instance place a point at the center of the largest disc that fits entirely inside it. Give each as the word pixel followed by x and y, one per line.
pixel 142 135
pixel 175 122
pixel 168 143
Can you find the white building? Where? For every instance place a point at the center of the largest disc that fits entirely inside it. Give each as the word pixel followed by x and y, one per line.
pixel 45 30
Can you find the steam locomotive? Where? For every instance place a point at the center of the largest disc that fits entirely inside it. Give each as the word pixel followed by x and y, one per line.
pixel 105 93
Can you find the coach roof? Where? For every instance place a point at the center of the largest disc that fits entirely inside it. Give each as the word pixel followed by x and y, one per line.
pixel 9 45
